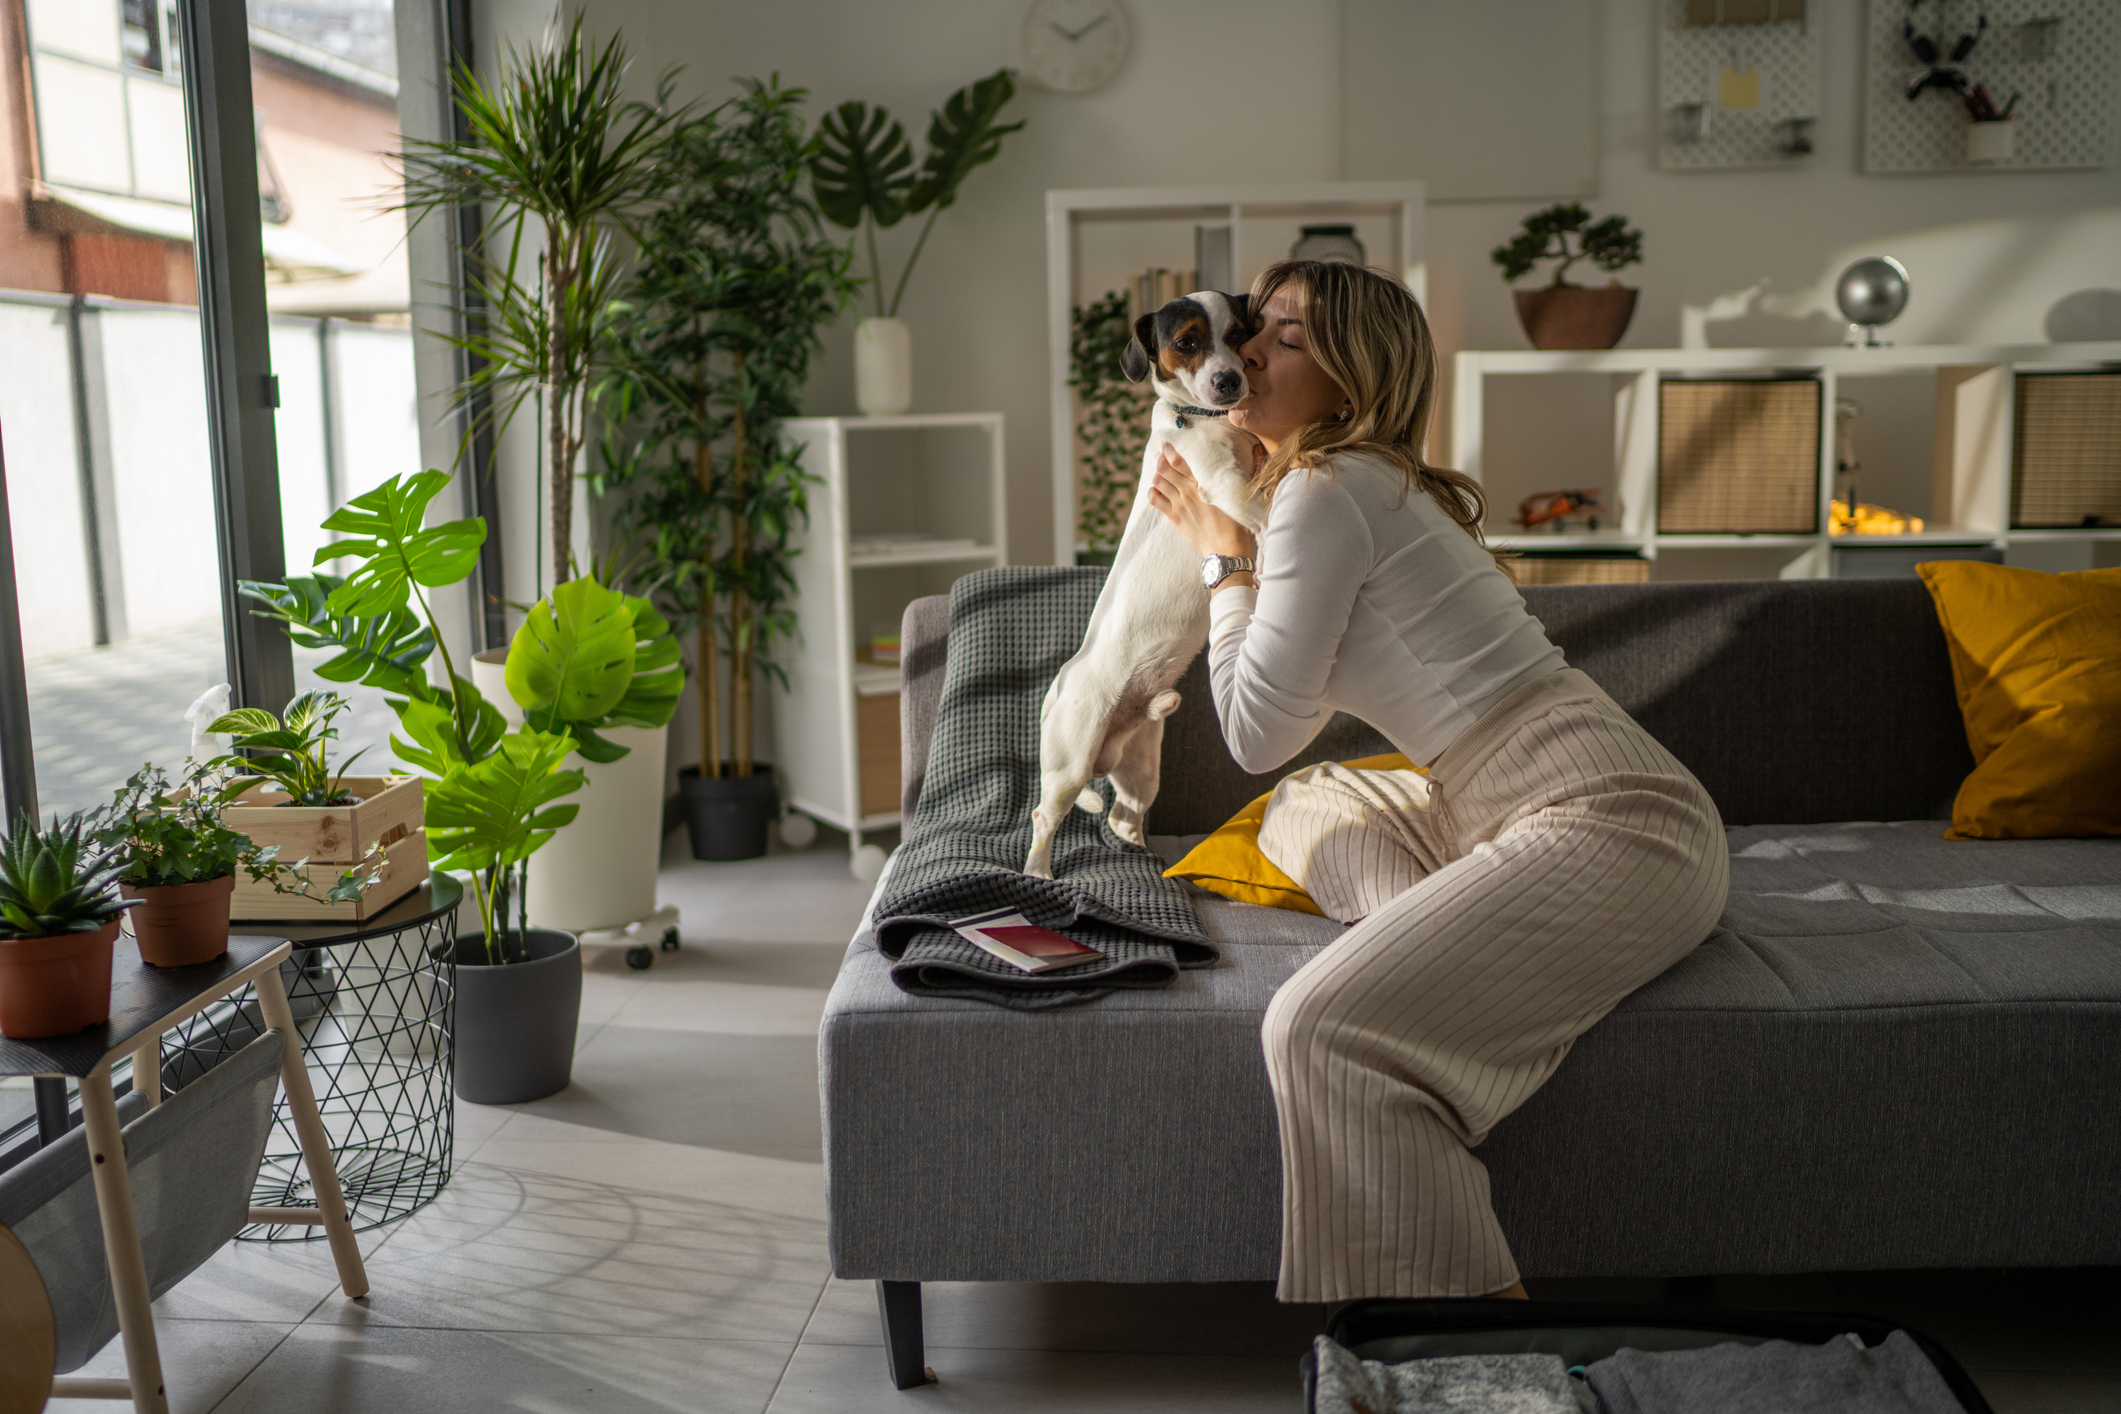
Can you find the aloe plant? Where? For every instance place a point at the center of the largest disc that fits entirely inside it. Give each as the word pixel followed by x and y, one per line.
pixel 57 880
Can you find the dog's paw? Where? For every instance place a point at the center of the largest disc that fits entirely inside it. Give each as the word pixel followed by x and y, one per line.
pixel 1091 801
pixel 1039 865
pixel 1163 705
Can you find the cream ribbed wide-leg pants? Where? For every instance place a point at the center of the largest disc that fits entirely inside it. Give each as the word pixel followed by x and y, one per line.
pixel 1556 859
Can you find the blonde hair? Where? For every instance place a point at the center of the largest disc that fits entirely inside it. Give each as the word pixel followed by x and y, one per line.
pixel 1367 331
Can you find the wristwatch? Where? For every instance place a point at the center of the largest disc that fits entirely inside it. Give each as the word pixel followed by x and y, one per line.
pixel 1214 569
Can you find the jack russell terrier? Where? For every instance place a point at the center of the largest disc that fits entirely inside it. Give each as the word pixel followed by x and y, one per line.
pixel 1104 714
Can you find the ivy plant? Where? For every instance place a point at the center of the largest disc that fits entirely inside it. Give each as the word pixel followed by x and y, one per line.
pixel 1111 420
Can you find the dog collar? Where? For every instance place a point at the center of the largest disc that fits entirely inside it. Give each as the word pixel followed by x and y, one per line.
pixel 1184 412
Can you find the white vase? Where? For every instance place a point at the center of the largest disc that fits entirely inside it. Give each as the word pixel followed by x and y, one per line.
pixel 1995 141
pixel 599 871
pixel 883 367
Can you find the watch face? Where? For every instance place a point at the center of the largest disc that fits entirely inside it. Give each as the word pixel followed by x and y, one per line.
pixel 1072 46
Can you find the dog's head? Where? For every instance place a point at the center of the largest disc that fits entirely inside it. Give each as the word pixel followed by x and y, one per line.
pixel 1191 346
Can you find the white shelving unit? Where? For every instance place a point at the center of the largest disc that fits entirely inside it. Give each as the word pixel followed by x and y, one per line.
pixel 1098 239
pixel 881 480
pixel 1971 458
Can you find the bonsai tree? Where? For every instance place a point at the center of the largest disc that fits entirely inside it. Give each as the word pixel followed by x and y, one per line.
pixel 712 345
pixel 58 879
pixel 1109 421
pixel 555 150
pixel 1610 244
pixel 864 174
pixel 586 657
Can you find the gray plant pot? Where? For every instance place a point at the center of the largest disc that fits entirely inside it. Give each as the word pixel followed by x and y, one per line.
pixel 516 1022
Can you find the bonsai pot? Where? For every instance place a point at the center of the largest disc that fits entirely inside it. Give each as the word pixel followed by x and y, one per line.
pixel 516 1020
pixel 728 816
pixel 55 986
pixel 177 925
pixel 1575 316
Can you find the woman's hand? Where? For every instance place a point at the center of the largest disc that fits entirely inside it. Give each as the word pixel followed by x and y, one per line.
pixel 1206 528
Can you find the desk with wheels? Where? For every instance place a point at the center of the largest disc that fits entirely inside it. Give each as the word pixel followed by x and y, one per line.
pixel 377 1021
pixel 146 1002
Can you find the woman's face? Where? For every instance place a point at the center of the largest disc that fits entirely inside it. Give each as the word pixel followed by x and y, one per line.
pixel 1287 387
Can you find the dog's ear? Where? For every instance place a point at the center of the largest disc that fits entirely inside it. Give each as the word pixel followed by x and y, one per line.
pixel 1240 316
pixel 1134 359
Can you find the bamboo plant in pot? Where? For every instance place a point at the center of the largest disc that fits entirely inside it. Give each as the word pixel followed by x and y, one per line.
pixel 59 912
pixel 865 178
pixel 1559 314
pixel 712 343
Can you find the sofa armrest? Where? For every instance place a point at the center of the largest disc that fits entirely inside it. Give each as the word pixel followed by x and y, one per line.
pixel 924 642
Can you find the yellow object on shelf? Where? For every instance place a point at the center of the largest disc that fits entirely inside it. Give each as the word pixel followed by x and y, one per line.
pixel 1871 520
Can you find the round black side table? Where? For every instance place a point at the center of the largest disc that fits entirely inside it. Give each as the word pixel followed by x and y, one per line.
pixel 378 1023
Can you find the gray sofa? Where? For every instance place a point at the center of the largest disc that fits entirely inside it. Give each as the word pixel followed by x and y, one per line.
pixel 1895 1051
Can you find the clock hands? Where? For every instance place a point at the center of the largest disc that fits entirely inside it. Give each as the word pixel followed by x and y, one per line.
pixel 1072 35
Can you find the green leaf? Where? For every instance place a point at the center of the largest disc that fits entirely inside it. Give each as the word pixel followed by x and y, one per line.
pixel 863 163
pixel 429 719
pixel 573 657
pixel 386 533
pixel 500 811
pixel 963 135
pixel 658 673
pixel 381 650
pixel 243 721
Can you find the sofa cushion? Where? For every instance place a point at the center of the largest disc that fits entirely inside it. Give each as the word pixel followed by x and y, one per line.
pixel 1898 1046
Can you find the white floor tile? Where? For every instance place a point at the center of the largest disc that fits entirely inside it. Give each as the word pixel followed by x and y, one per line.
pixel 201 1362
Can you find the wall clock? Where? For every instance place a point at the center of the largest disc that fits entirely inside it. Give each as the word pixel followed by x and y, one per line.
pixel 1072 46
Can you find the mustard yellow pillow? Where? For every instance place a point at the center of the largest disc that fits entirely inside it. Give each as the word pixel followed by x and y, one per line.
pixel 2036 659
pixel 1229 863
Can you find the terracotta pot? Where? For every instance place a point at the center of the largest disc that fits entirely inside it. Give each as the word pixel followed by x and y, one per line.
pixel 1575 316
pixel 55 986
pixel 180 924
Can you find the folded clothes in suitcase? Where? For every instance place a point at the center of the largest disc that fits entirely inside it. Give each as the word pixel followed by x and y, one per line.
pixel 1518 1357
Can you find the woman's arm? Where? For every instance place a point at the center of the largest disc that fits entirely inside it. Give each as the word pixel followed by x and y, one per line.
pixel 1271 649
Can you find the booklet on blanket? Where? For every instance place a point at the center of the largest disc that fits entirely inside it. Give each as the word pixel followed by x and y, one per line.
pixel 1021 943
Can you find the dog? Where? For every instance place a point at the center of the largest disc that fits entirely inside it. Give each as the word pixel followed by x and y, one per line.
pixel 1104 714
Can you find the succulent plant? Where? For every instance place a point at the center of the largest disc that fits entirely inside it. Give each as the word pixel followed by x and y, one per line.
pixel 55 880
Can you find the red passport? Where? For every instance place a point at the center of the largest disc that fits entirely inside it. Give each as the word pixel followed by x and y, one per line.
pixel 1021 943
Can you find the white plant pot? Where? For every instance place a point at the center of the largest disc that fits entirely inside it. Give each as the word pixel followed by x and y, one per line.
pixel 883 367
pixel 1991 142
pixel 598 872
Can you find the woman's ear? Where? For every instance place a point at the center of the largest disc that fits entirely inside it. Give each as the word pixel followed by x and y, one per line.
pixel 1134 358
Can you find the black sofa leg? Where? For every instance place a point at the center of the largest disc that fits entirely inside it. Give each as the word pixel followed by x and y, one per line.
pixel 899 1304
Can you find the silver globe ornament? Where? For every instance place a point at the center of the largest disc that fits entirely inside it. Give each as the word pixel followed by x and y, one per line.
pixel 1871 292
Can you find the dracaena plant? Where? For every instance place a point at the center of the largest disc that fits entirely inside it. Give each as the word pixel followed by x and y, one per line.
pixel 866 177
pixel 592 658
pixel 56 879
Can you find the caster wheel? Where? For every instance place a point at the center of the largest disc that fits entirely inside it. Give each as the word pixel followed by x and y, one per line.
pixel 868 863
pixel 640 959
pixel 670 940
pixel 798 831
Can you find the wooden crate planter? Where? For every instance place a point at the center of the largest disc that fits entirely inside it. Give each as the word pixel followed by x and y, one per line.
pixel 334 838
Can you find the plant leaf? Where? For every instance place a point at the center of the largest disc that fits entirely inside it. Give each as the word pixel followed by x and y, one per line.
pixel 499 811
pixel 864 162
pixel 387 534
pixel 964 134
pixel 573 657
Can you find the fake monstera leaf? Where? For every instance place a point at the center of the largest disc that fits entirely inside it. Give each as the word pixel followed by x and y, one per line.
pixel 962 136
pixel 384 650
pixel 432 740
pixel 590 658
pixel 658 674
pixel 397 550
pixel 500 811
pixel 863 163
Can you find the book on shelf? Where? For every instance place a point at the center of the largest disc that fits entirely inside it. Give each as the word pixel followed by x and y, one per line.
pixel 1021 943
pixel 1155 288
pixel 907 543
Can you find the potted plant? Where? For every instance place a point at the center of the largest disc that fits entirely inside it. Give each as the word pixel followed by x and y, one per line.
pixel 1561 315
pixel 555 150
pixel 1110 426
pixel 179 859
pixel 287 795
pixel 865 178
pixel 712 344
pixel 59 912
pixel 493 793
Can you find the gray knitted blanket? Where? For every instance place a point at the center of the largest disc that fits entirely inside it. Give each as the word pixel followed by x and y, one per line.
pixel 1010 632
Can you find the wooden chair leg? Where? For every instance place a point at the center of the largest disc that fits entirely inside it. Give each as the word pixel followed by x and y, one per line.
pixel 899 1304
pixel 121 1242
pixel 147 1069
pixel 316 1144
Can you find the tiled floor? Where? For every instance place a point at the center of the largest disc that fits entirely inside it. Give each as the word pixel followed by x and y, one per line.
pixel 653 1239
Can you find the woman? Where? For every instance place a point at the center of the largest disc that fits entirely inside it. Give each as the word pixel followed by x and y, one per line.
pixel 1555 859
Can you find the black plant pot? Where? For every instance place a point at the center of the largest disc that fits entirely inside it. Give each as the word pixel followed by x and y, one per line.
pixel 1095 559
pixel 516 1020
pixel 728 816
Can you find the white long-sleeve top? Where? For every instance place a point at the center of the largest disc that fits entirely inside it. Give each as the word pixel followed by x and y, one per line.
pixel 1374 602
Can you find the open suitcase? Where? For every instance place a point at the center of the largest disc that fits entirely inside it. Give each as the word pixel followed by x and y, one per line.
pixel 1393 1331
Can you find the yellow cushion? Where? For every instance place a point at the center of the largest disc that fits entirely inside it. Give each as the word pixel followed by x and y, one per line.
pixel 1229 863
pixel 2036 659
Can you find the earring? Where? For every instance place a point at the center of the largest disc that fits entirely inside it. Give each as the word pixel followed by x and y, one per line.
pixel 1344 414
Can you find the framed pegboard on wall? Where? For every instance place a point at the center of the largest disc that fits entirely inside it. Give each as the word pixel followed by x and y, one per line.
pixel 2057 56
pixel 1737 83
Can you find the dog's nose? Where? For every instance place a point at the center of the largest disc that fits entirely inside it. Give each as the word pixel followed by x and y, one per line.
pixel 1227 382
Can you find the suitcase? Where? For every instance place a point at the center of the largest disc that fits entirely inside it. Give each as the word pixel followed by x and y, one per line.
pixel 1581 1333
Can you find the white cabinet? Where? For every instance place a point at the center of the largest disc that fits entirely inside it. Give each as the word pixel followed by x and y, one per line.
pixel 901 507
pixel 1972 389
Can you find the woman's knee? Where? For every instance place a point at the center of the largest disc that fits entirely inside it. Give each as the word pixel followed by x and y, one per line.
pixel 1300 1022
